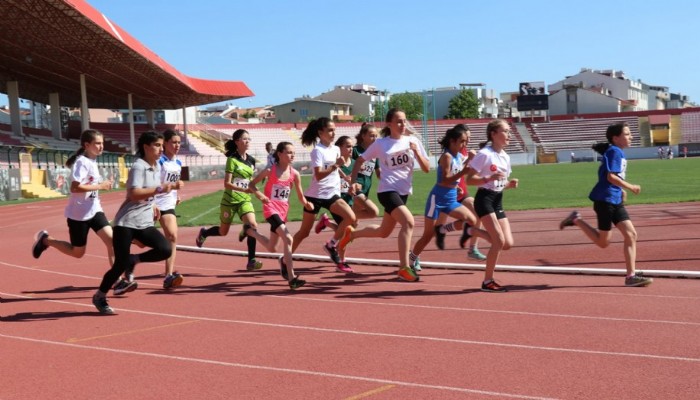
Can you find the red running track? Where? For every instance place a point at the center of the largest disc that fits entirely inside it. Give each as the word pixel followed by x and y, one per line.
pixel 228 333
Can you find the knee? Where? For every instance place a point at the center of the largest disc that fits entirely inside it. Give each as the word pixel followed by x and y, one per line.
pixel 78 252
pixel 172 237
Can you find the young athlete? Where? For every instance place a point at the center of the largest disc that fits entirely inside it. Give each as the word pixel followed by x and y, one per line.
pixel 491 166
pixel 396 153
pixel 364 207
pixel 324 189
pixel 279 179
pixel 84 210
pixel 170 171
pixel 134 220
pixel 344 143
pixel 464 198
pixel 608 196
pixel 236 200
pixel 442 200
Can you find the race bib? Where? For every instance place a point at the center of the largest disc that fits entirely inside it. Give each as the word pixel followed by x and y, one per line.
pixel 400 160
pixel 279 192
pixel 344 186
pixel 367 168
pixel 241 183
pixel 172 177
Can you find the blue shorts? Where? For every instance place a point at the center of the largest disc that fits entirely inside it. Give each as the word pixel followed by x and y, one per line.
pixel 441 200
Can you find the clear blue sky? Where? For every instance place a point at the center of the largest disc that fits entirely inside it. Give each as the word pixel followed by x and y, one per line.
pixel 284 49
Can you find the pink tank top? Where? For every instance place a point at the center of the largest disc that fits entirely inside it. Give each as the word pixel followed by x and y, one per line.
pixel 278 192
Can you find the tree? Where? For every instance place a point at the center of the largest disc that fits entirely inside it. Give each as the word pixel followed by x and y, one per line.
pixel 410 103
pixel 464 105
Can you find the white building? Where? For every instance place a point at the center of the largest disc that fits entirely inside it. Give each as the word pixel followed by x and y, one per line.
pixel 603 91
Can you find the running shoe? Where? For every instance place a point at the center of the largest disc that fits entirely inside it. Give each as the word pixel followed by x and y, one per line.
pixel 101 304
pixel 296 283
pixel 346 239
pixel 408 274
pixel 244 232
pixel 123 286
pixel 39 246
pixel 638 280
pixel 475 254
pixel 465 236
pixel 253 265
pixel 332 252
pixel 439 238
pixel 416 265
pixel 172 281
pixel 569 221
pixel 492 286
pixel 343 267
pixel 283 268
pixel 199 241
pixel 321 224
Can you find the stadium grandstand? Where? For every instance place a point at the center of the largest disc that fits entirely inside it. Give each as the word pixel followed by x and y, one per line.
pixel 126 75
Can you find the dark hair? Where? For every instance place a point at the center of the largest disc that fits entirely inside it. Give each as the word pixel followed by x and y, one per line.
pixel 490 129
pixel 366 127
pixel 341 140
pixel 268 145
pixel 386 131
pixel 230 146
pixel 612 131
pixel 310 134
pixel 146 138
pixel 280 148
pixel 88 136
pixel 451 134
pixel 169 134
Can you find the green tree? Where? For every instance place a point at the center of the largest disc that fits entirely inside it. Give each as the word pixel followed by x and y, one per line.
pixel 464 105
pixel 411 103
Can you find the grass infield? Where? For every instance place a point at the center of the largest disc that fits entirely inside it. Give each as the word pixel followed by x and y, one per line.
pixel 541 187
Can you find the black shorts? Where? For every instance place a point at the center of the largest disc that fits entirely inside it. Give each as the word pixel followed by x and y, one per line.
pixel 165 212
pixel 489 202
pixel 321 203
pixel 609 214
pixel 275 222
pixel 391 201
pixel 78 230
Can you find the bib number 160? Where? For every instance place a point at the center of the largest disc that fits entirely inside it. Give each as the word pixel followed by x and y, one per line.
pixel 399 160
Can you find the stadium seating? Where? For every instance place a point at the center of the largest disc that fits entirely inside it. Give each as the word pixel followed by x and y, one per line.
pixel 577 133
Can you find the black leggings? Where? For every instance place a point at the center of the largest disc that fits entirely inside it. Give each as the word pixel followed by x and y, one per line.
pixel 122 238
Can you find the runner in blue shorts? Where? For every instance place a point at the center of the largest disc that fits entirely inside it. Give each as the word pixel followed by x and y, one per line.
pixel 452 166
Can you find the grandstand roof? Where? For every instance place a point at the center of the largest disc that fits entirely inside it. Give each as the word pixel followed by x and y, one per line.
pixel 46 45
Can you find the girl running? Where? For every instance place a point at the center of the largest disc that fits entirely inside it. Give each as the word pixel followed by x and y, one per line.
pixel 442 200
pixel 170 171
pixel 361 205
pixel 464 198
pixel 608 196
pixel 396 153
pixel 84 210
pixel 134 220
pixel 324 190
pixel 491 167
pixel 236 200
pixel 279 179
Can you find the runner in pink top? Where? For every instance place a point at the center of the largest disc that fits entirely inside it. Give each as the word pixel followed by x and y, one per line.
pixel 281 176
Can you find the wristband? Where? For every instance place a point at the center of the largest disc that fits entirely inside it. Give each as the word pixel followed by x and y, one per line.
pixel 159 190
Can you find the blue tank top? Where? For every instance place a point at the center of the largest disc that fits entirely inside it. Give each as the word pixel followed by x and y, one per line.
pixel 455 167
